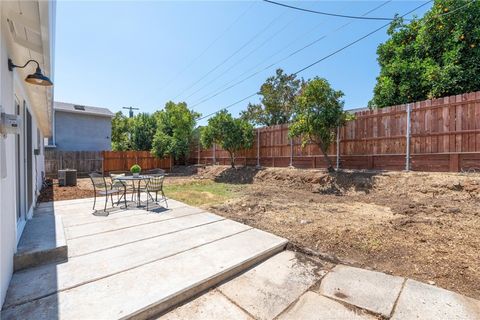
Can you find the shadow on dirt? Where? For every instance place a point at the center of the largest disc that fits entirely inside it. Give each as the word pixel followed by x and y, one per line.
pixel 240 175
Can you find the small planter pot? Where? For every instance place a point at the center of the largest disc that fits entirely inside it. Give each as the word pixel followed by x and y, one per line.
pixel 136 174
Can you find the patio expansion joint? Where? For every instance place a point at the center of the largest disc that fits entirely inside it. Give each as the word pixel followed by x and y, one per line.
pixel 132 226
pixel 234 303
pixel 131 268
pixel 156 236
pixel 398 297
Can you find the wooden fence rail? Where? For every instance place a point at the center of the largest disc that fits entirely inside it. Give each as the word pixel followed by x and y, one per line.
pixel 86 162
pixel 433 135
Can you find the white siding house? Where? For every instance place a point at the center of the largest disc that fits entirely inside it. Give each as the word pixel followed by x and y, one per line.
pixel 26 32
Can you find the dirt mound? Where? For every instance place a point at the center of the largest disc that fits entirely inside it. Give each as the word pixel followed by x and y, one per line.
pixel 417 186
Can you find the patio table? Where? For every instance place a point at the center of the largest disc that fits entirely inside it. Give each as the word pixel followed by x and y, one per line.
pixel 134 179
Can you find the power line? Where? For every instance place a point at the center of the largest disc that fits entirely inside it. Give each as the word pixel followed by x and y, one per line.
pixel 173 79
pixel 325 57
pixel 210 96
pixel 236 63
pixel 232 55
pixel 271 56
pixel 327 13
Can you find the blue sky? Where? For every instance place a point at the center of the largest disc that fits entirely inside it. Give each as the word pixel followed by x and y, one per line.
pixel 143 54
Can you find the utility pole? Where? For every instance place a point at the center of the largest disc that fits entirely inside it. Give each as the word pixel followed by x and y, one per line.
pixel 130 111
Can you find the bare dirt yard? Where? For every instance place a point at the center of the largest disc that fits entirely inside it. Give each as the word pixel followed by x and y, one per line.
pixel 425 226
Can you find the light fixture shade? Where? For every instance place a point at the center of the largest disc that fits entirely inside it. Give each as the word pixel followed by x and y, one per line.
pixel 39 79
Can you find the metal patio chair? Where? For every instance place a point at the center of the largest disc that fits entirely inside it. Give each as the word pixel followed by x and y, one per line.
pixel 155 185
pixel 117 184
pixel 101 187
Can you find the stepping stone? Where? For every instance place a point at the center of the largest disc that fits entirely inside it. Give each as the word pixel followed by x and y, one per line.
pixel 370 290
pixel 273 285
pixel 423 301
pixel 212 305
pixel 312 306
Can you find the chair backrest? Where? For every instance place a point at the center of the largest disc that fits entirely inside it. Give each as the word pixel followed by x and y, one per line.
pixel 114 175
pixel 98 181
pixel 155 183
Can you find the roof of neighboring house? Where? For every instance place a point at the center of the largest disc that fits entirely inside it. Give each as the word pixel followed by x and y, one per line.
pixel 353 110
pixel 82 109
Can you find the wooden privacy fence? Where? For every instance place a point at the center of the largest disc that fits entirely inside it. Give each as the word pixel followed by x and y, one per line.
pixel 433 135
pixel 86 162
pixel 83 161
pixel 123 160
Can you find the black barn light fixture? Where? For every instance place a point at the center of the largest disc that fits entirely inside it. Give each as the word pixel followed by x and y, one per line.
pixel 37 78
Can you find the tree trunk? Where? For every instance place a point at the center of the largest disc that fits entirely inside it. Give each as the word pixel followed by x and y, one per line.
pixel 232 159
pixel 330 167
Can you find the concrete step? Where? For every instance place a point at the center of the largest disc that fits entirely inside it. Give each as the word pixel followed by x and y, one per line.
pixel 151 288
pixel 42 242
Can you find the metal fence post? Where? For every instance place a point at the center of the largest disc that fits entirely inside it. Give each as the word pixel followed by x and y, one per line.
pixel 338 148
pixel 291 152
pixel 409 124
pixel 198 150
pixel 258 148
pixel 214 158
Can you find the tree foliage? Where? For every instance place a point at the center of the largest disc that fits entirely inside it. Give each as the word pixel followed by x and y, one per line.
pixel 437 55
pixel 277 102
pixel 143 128
pixel 318 113
pixel 120 132
pixel 175 125
pixel 230 134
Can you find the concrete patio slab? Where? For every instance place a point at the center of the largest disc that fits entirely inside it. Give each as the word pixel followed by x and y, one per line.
pixel 35 283
pixel 123 222
pixel 373 291
pixel 43 241
pixel 312 306
pixel 272 286
pixel 154 287
pixel 423 301
pixel 110 239
pixel 212 305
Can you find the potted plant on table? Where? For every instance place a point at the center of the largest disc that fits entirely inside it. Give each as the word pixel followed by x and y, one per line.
pixel 135 170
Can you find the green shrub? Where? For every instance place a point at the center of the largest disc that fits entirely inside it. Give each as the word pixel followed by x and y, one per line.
pixel 135 169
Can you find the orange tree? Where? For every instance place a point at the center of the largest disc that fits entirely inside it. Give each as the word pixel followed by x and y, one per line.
pixel 318 113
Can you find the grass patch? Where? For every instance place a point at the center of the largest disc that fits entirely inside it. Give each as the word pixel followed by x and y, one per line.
pixel 202 193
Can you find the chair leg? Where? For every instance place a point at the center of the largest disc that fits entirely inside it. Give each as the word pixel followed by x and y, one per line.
pixel 106 201
pixel 111 198
pixel 94 200
pixel 125 197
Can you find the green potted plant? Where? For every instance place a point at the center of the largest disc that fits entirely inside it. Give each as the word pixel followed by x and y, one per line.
pixel 135 170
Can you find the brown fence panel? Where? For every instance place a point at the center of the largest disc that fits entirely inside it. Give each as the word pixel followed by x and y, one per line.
pixel 124 160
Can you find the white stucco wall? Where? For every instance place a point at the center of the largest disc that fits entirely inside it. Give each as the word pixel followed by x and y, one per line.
pixel 10 86
pixel 8 209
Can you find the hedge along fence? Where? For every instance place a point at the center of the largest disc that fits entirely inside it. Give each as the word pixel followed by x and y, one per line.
pixel 86 162
pixel 433 135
